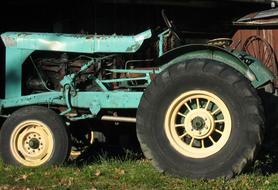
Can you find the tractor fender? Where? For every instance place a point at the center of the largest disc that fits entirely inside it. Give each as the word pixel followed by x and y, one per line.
pixel 247 65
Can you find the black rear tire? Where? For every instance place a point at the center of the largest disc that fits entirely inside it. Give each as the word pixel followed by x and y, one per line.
pixel 206 77
pixel 34 136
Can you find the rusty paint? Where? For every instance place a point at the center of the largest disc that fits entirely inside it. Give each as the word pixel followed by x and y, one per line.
pixel 89 37
pixel 259 38
pixel 267 17
pixel 8 41
pixel 133 47
pixel 24 34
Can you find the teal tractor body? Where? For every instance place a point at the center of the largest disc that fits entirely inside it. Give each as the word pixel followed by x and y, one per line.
pixel 82 76
pixel 19 46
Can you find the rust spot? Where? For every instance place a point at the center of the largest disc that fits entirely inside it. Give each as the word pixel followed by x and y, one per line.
pixel 8 41
pixel 133 48
pixel 90 36
pixel 24 34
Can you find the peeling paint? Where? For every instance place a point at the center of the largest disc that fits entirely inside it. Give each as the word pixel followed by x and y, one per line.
pixel 8 41
pixel 90 36
pixel 133 47
pixel 79 43
pixel 24 34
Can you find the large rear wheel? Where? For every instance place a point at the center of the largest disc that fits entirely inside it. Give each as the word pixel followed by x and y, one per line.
pixel 200 119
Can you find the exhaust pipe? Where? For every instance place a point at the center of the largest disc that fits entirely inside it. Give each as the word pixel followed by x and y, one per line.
pixel 118 119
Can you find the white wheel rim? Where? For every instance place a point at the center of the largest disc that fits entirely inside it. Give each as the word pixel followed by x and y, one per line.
pixel 32 143
pixel 198 124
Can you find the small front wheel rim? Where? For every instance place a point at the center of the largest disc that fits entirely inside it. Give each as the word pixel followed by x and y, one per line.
pixel 198 124
pixel 32 143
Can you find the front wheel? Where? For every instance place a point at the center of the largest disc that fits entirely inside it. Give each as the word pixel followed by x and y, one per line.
pixel 200 119
pixel 34 136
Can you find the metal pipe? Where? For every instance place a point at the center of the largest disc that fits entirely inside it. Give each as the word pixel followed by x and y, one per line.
pixel 119 119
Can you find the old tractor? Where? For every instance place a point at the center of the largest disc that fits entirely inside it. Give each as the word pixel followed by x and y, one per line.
pixel 198 111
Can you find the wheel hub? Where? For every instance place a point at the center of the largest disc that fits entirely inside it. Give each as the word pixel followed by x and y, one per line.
pixel 34 143
pixel 198 123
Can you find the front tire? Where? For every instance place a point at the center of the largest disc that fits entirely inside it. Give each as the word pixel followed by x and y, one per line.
pixel 34 136
pixel 200 119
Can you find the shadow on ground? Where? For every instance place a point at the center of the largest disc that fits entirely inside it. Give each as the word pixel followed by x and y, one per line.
pixel 120 142
pixel 267 159
pixel 125 145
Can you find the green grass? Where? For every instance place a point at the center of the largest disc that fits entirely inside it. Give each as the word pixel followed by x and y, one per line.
pixel 117 174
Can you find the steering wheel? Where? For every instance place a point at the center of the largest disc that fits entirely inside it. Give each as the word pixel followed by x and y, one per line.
pixel 169 24
pixel 166 20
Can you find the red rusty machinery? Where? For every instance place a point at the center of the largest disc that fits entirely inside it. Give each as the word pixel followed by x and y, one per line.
pixel 257 34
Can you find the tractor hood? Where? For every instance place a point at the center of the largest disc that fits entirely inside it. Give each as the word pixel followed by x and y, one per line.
pixel 75 42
